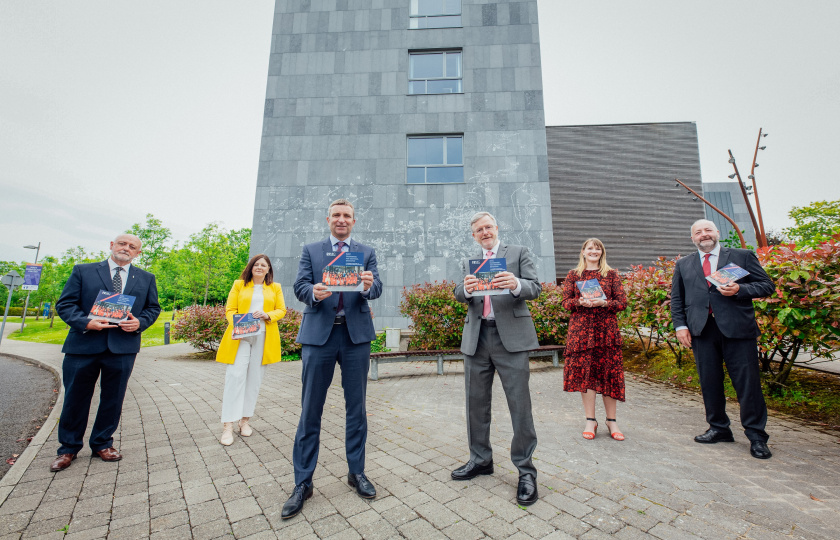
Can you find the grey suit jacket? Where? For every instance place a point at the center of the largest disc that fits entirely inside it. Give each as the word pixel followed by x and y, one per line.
pixel 691 295
pixel 514 322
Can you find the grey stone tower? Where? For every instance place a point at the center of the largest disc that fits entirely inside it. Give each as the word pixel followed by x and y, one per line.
pixel 421 112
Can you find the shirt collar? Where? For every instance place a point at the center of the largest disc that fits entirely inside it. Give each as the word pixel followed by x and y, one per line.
pixel 715 252
pixel 112 265
pixel 334 241
pixel 494 249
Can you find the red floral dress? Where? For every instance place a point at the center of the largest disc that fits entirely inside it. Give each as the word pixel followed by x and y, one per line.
pixel 593 358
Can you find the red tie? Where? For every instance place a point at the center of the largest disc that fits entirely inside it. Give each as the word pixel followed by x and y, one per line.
pixel 487 305
pixel 707 267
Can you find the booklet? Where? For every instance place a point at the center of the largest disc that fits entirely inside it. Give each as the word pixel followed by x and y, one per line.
pixel 590 289
pixel 113 307
pixel 726 275
pixel 485 270
pixel 344 271
pixel 245 325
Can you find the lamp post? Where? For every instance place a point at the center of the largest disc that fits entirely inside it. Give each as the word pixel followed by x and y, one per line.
pixel 26 305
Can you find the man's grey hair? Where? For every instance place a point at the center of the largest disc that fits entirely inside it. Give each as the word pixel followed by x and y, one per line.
pixel 481 215
pixel 137 238
pixel 340 202
pixel 704 222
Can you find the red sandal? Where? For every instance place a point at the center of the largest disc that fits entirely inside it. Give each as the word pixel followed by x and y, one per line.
pixel 589 435
pixel 617 435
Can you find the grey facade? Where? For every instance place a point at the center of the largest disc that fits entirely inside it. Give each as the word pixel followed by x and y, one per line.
pixel 337 117
pixel 728 197
pixel 616 183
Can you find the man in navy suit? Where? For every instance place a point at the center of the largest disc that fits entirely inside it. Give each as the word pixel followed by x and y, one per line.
pixel 718 323
pixel 96 347
pixel 336 328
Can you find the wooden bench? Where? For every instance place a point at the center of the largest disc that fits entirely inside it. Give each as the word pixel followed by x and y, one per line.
pixel 447 354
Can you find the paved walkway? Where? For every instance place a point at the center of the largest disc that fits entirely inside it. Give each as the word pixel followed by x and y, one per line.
pixel 176 481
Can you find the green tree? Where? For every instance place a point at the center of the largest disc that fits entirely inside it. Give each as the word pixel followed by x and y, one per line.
pixel 155 237
pixel 813 224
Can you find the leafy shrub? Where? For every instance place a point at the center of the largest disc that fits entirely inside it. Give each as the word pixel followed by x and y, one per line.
pixel 201 326
pixel 378 344
pixel 551 319
pixel 289 326
pixel 18 311
pixel 437 319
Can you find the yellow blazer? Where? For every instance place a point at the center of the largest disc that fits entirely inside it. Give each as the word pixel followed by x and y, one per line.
pixel 239 301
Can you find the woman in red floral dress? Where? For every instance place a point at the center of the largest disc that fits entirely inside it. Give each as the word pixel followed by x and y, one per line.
pixel 593 361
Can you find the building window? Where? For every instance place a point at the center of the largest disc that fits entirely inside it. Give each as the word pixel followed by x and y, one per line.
pixel 434 72
pixel 435 159
pixel 435 14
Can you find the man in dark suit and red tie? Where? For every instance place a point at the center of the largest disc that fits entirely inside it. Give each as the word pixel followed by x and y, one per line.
pixel 337 328
pixel 97 348
pixel 718 323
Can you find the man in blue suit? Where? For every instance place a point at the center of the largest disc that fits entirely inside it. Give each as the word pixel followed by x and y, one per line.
pixel 97 348
pixel 336 328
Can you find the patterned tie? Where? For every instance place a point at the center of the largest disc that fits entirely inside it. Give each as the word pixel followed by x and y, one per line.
pixel 707 270
pixel 487 305
pixel 117 281
pixel 340 305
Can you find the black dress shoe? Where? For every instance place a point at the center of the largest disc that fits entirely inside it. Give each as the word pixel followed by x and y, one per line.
pixel 471 470
pixel 714 436
pixel 363 486
pixel 759 450
pixel 526 493
pixel 295 503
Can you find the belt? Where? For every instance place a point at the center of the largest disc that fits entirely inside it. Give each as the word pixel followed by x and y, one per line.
pixel 488 322
pixel 341 319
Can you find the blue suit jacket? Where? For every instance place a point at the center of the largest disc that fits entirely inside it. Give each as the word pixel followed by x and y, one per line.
pixel 318 317
pixel 691 295
pixel 78 296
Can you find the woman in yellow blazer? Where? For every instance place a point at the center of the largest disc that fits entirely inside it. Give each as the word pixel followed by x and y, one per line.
pixel 254 292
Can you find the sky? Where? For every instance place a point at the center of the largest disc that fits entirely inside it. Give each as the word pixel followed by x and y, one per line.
pixel 110 110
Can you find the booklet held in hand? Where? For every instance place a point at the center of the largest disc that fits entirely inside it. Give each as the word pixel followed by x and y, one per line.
pixel 484 271
pixel 726 275
pixel 591 290
pixel 344 271
pixel 112 307
pixel 245 325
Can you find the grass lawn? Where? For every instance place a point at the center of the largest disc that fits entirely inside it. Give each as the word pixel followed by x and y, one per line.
pixel 810 395
pixel 40 331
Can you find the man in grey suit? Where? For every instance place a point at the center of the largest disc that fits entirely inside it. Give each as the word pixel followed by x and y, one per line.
pixel 498 333
pixel 336 329
pixel 718 323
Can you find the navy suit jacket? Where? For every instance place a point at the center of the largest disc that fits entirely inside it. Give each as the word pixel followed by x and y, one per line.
pixel 78 296
pixel 318 317
pixel 735 316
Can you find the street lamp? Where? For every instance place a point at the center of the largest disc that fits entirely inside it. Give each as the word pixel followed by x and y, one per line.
pixel 26 305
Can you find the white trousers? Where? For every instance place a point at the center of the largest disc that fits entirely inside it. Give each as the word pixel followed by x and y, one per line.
pixel 242 380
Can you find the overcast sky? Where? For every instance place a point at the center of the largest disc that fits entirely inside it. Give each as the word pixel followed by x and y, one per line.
pixel 112 109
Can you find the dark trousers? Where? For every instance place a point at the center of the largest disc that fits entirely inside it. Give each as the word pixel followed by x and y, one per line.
pixel 514 371
pixel 80 372
pixel 711 350
pixel 318 368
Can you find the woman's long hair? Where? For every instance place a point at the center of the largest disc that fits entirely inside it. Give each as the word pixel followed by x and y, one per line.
pixel 248 274
pixel 602 262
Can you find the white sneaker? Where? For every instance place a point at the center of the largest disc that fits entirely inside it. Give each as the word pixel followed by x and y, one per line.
pixel 244 428
pixel 227 434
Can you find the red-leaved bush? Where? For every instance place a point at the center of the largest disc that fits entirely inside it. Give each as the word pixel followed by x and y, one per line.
pixel 289 326
pixel 201 326
pixel 437 319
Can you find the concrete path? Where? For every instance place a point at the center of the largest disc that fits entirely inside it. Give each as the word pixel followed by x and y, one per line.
pixel 176 481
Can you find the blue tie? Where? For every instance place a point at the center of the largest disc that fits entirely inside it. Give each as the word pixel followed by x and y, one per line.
pixel 340 306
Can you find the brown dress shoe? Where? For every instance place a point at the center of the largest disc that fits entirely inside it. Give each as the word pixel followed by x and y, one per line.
pixel 62 461
pixel 108 454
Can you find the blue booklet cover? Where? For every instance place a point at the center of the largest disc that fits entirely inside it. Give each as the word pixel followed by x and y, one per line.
pixel 590 289
pixel 343 271
pixel 726 275
pixel 245 325
pixel 112 307
pixel 485 270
